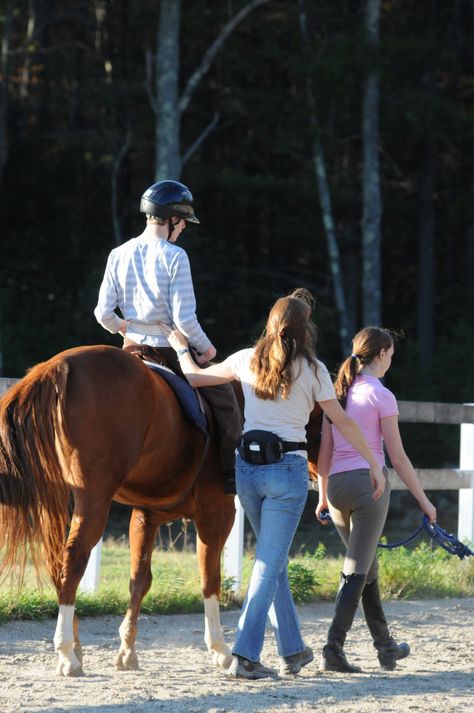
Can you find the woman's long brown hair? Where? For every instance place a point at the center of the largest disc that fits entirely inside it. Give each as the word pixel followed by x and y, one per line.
pixel 289 335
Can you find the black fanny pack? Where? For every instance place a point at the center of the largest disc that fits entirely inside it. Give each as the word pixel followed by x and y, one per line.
pixel 265 447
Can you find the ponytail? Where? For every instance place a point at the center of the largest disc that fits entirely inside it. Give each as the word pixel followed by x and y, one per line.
pixel 366 345
pixel 345 378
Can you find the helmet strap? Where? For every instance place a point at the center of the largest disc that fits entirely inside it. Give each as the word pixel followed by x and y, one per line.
pixel 170 228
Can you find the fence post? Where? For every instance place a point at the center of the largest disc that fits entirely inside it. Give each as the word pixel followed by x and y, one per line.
pixel 466 495
pixel 90 580
pixel 234 547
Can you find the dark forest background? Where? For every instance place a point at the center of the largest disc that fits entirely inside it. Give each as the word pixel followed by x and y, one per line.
pixel 328 143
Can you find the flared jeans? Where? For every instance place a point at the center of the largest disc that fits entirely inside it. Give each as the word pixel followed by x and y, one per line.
pixel 273 497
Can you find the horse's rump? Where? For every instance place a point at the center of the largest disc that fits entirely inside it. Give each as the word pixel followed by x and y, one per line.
pixel 95 421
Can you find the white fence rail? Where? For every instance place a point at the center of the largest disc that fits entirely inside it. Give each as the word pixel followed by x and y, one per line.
pixel 461 479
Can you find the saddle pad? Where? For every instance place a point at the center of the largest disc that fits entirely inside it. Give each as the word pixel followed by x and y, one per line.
pixel 186 395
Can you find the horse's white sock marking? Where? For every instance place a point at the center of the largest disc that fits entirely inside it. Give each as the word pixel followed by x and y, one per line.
pixel 64 641
pixel 213 633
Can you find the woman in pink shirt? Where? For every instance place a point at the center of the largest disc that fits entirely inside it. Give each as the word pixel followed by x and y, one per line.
pixel 357 513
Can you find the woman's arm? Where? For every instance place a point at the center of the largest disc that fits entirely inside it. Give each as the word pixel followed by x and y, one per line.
pixel 325 449
pixel 209 376
pixel 324 464
pixel 352 433
pixel 403 465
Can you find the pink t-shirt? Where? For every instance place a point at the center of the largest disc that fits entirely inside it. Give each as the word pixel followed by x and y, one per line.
pixel 367 402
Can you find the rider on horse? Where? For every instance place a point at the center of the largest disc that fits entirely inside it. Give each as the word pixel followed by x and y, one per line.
pixel 149 279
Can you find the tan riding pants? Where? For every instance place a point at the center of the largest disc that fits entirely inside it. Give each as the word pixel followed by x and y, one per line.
pixel 359 519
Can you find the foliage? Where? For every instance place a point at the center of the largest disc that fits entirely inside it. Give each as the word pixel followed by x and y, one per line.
pixel 303 583
pixel 424 572
pixel 404 574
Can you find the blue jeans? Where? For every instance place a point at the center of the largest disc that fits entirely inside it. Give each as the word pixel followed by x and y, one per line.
pixel 273 497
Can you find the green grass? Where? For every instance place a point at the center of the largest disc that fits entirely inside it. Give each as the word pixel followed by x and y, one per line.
pixel 422 572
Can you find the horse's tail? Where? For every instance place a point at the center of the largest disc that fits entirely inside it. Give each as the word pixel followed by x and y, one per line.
pixel 33 491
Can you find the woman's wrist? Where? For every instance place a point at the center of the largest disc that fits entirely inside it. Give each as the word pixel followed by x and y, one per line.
pixel 181 351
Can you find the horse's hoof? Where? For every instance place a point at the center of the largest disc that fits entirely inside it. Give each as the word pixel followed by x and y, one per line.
pixel 66 670
pixel 126 662
pixel 222 659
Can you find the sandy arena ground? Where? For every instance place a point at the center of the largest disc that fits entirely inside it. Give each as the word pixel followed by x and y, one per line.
pixel 176 674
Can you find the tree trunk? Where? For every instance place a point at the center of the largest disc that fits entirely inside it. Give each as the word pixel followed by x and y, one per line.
pixel 372 200
pixel 425 312
pixel 168 117
pixel 168 108
pixel 335 265
pixel 5 77
pixel 333 247
pixel 425 307
pixel 114 180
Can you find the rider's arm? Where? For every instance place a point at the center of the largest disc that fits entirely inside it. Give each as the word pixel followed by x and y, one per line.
pixel 183 304
pixel 107 302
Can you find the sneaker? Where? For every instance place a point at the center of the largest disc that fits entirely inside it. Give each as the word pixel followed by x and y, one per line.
pixel 243 668
pixel 293 664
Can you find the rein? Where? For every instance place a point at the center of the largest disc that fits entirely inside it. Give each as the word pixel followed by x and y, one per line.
pixel 442 538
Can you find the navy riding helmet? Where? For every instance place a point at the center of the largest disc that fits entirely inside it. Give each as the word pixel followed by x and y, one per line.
pixel 168 198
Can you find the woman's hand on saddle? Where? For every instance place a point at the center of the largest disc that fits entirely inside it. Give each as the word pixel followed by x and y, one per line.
pixel 174 337
pixel 377 477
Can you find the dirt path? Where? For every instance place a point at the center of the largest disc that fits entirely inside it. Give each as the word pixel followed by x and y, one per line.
pixel 176 676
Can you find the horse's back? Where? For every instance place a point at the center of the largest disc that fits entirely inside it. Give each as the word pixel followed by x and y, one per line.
pixel 126 422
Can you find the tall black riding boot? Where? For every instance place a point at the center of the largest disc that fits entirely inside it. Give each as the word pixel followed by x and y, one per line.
pixel 347 600
pixel 388 651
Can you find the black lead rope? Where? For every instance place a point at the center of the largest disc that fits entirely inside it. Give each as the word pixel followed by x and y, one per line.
pixel 448 542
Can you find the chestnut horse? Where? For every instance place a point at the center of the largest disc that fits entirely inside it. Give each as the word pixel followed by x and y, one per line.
pixel 97 423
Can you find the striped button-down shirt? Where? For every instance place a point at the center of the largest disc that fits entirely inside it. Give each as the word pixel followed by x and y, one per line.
pixel 149 280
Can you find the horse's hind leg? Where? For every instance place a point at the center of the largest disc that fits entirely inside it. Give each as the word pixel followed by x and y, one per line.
pixel 142 533
pixel 213 529
pixel 87 526
pixel 55 574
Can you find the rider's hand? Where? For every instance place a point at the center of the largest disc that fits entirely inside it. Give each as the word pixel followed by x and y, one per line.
pixel 377 477
pixel 206 356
